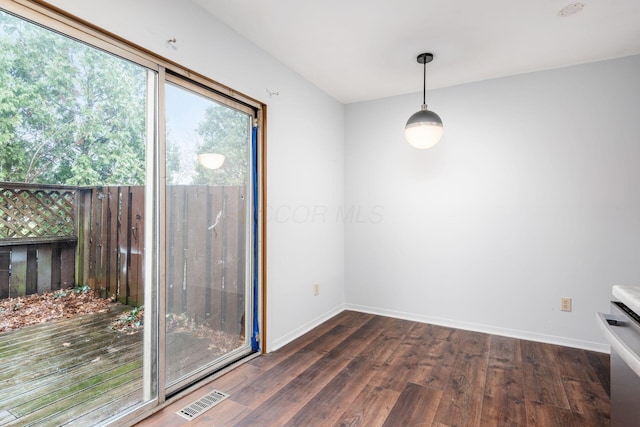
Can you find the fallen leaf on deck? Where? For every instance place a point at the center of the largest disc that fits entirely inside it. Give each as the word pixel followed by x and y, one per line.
pixel 16 313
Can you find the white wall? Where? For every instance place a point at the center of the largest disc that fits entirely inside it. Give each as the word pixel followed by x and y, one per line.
pixel 304 154
pixel 532 195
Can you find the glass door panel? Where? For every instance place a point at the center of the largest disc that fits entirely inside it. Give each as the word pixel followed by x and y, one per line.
pixel 208 266
pixel 77 130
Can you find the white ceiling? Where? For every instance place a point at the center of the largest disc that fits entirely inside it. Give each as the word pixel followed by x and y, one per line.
pixel 359 50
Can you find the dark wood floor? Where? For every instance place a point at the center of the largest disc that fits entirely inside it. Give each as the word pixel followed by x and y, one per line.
pixel 364 370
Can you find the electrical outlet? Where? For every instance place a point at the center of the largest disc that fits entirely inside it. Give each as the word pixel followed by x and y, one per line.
pixel 316 289
pixel 565 304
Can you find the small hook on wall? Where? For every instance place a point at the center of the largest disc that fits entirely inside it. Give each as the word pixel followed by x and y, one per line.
pixel 172 42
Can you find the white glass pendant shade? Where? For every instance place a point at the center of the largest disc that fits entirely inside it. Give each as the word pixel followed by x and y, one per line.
pixel 211 160
pixel 423 129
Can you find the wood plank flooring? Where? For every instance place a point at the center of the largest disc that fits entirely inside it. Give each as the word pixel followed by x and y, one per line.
pixel 364 370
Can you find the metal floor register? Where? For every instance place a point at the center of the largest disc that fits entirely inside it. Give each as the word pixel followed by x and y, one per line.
pixel 201 405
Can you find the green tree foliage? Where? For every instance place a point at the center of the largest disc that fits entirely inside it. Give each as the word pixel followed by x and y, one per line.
pixel 69 113
pixel 224 131
pixel 175 169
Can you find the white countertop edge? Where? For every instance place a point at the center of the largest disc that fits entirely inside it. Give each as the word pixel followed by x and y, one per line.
pixel 628 295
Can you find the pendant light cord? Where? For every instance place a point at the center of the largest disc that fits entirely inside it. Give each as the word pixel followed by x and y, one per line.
pixel 424 85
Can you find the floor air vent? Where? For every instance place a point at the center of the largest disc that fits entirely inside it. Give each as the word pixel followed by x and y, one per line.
pixel 203 404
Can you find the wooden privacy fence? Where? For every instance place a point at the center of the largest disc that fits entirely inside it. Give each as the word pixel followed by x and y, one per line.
pixel 206 254
pixel 53 237
pixel 37 238
pixel 111 242
pixel 206 244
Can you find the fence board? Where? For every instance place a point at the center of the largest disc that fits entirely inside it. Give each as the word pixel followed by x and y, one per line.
pixel 111 233
pixel 31 285
pixel 94 222
pixel 241 267
pixel 102 195
pixel 124 245
pixel 226 280
pixel 210 267
pixel 235 217
pixel 5 263
pixel 45 254
pixel 56 274
pixel 170 254
pixel 136 264
pixel 215 255
pixel 175 245
pixel 67 270
pixel 196 230
pixel 18 283
pixel 83 224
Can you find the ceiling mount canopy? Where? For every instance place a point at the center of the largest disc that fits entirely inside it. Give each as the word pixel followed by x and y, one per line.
pixel 425 58
pixel 424 128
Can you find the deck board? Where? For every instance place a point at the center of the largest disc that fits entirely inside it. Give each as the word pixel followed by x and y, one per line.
pixel 75 370
pixel 81 371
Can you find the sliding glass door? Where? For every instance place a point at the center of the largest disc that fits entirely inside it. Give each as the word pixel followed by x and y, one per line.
pixel 128 202
pixel 208 232
pixel 76 142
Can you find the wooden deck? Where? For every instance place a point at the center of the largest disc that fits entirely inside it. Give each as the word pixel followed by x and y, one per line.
pixel 75 370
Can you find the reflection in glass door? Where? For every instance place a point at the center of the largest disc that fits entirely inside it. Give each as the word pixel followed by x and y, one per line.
pixel 208 233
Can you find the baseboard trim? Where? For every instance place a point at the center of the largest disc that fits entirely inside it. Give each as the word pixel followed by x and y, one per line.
pixel 296 333
pixel 477 327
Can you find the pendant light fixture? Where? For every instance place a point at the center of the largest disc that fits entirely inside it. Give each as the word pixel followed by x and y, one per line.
pixel 211 160
pixel 424 128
